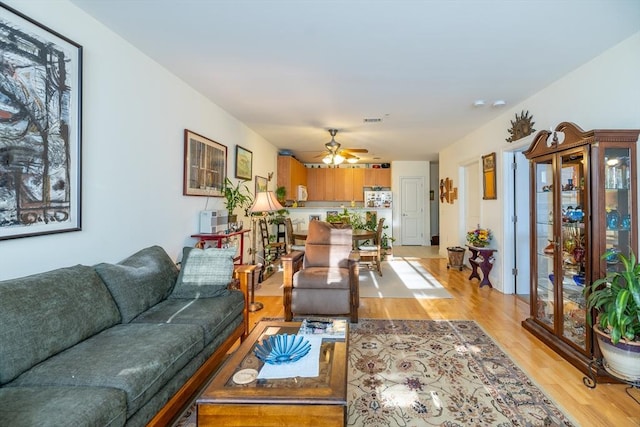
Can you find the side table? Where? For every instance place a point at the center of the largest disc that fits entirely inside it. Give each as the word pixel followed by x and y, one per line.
pixel 483 258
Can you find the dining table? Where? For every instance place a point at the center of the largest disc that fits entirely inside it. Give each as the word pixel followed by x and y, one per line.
pixel 357 236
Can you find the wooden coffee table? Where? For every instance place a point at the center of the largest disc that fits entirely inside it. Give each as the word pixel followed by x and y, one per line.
pixel 295 401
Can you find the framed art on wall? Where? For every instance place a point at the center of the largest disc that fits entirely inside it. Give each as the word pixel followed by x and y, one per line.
pixel 40 130
pixel 261 184
pixel 244 163
pixel 205 166
pixel 489 177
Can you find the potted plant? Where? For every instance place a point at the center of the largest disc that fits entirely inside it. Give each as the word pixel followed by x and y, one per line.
pixel 237 195
pixel 615 299
pixel 281 194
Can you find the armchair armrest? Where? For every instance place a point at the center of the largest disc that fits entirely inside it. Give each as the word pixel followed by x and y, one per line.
pixel 291 263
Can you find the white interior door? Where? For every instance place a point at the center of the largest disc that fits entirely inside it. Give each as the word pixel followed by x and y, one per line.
pixel 412 211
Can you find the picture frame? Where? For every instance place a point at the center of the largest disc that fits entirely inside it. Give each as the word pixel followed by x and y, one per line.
pixel 489 177
pixel 261 184
pixel 244 163
pixel 205 166
pixel 42 97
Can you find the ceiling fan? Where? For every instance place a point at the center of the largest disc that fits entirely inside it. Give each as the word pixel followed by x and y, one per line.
pixel 336 155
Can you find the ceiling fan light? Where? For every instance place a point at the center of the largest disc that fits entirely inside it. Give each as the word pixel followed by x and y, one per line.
pixel 352 160
pixel 337 159
pixel 327 160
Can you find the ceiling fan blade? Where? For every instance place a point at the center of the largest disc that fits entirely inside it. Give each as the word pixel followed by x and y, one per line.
pixel 356 150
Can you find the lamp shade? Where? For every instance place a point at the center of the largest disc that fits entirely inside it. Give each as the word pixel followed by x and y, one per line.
pixel 265 201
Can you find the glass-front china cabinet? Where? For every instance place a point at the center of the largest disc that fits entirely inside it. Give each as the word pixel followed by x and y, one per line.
pixel 583 187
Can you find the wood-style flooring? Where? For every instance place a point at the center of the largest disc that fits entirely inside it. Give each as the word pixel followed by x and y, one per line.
pixel 500 316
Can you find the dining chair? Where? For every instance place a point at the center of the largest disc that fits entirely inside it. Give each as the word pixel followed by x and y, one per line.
pixel 272 250
pixel 372 254
pixel 291 241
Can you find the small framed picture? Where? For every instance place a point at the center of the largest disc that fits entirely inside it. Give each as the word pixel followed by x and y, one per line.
pixel 489 177
pixel 261 184
pixel 244 163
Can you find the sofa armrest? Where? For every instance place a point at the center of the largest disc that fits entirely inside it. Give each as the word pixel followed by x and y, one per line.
pixel 244 274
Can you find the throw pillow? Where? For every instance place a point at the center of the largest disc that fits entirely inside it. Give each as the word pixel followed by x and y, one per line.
pixel 205 273
pixel 140 281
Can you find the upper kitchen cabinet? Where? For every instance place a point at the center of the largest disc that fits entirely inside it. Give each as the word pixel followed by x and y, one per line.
pixel 374 177
pixel 291 173
pixel 335 184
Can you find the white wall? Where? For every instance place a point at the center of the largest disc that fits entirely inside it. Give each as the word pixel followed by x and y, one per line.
pixel 602 94
pixel 134 116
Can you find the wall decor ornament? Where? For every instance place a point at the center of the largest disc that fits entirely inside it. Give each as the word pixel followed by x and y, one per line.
pixel 205 166
pixel 489 177
pixel 244 163
pixel 521 126
pixel 448 193
pixel 40 128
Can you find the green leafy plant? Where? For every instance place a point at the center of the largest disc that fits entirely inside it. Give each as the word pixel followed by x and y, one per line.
pixel 281 194
pixel 616 300
pixel 236 196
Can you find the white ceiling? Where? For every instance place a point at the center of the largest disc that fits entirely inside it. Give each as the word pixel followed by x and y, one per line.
pixel 291 70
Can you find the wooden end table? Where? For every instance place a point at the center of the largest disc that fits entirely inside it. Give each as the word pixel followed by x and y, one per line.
pixel 295 401
pixel 482 258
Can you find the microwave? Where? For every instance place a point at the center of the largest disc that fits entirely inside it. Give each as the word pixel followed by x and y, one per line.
pixel 302 193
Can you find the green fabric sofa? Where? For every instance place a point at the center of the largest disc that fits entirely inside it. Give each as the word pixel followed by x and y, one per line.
pixel 108 345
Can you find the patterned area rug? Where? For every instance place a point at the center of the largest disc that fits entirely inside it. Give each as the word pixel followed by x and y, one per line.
pixel 439 373
pixel 435 373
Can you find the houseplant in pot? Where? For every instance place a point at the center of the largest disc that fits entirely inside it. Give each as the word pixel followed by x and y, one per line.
pixel 615 300
pixel 236 196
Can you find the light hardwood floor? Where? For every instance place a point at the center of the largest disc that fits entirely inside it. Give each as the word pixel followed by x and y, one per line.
pixel 500 316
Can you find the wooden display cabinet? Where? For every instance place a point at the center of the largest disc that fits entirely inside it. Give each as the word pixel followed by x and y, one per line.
pixel 583 187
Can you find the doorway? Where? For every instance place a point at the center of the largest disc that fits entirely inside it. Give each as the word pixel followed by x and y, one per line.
pixel 516 272
pixel 412 220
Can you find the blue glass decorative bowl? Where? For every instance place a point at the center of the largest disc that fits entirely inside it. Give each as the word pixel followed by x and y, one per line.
pixel 579 279
pixel 284 348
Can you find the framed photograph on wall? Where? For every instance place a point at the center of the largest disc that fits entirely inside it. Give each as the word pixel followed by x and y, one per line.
pixel 489 177
pixel 40 162
pixel 261 184
pixel 205 166
pixel 244 163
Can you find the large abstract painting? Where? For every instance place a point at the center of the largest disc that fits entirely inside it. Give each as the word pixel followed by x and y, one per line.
pixel 40 112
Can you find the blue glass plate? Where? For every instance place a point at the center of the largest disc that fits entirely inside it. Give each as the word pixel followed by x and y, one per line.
pixel 278 349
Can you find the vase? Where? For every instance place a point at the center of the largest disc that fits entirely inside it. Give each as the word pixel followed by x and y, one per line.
pixel 613 220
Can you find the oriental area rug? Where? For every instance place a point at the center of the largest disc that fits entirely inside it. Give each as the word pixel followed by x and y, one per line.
pixel 436 373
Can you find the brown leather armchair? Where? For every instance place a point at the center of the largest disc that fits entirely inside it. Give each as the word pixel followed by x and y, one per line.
pixel 322 280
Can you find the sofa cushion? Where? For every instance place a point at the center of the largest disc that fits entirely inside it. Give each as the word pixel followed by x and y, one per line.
pixel 138 359
pixel 62 406
pixel 211 314
pixel 205 273
pixel 140 281
pixel 46 313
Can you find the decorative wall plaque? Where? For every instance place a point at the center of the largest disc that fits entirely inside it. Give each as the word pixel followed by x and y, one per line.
pixel 521 126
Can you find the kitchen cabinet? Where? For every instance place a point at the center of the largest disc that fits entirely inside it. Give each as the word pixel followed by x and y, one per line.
pixel 291 173
pixel 374 177
pixel 583 199
pixel 335 184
